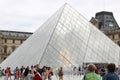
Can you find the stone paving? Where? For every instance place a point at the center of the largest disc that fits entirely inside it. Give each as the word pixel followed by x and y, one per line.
pixel 66 77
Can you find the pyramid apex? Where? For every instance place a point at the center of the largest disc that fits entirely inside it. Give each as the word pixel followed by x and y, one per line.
pixel 66 4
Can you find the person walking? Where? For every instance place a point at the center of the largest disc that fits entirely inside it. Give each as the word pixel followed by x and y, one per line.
pixel 60 73
pixel 91 75
pixel 111 75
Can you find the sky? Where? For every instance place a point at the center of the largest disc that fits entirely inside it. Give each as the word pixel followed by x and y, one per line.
pixel 29 15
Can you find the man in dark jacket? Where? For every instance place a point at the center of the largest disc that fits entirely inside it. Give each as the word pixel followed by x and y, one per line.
pixel 111 75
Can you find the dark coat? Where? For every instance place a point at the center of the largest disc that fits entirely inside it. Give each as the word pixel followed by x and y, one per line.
pixel 111 76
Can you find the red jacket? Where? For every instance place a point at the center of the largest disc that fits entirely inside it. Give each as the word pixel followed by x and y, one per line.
pixel 37 77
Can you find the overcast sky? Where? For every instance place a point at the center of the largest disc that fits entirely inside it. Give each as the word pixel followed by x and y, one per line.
pixel 28 15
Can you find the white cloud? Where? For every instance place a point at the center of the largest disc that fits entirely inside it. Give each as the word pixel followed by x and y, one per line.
pixel 28 15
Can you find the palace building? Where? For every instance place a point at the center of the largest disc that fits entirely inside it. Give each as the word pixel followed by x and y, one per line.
pixel 9 41
pixel 106 22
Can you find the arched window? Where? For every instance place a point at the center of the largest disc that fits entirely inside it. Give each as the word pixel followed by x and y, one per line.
pixel 113 36
pixel 13 48
pixel 13 41
pixel 5 40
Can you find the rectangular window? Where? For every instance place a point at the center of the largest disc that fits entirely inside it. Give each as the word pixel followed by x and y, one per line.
pixel 13 41
pixel 113 36
pixel 5 40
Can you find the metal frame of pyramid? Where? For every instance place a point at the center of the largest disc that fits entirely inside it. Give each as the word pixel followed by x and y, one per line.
pixel 65 39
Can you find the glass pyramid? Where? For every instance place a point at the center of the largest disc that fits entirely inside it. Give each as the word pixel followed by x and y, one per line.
pixel 65 39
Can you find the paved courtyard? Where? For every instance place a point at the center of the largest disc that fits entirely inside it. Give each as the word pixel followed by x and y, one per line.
pixel 66 77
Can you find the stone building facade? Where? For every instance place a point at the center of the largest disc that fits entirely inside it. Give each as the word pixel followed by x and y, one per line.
pixel 106 22
pixel 10 40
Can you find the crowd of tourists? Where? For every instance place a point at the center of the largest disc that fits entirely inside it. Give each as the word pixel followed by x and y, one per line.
pixel 109 72
pixel 30 73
